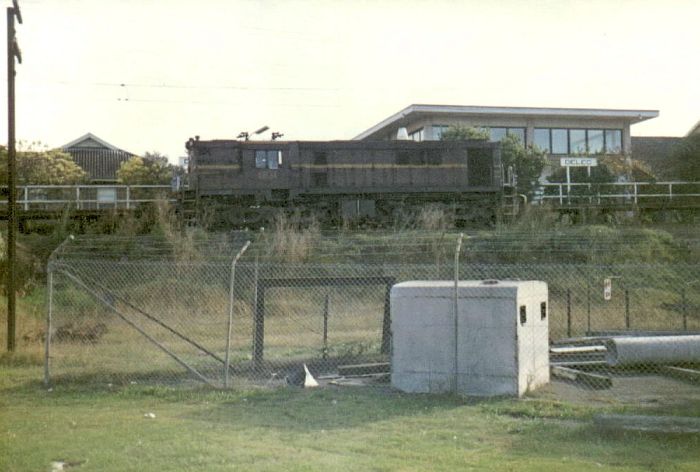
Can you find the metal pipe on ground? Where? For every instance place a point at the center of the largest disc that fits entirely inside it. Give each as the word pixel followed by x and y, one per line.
pixel 652 350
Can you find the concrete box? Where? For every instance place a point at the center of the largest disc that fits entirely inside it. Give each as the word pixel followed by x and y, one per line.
pixel 502 337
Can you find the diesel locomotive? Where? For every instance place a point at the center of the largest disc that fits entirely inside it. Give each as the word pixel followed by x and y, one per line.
pixel 246 182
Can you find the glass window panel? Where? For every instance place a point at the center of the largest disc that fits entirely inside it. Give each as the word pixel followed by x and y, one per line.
pixel 497 134
pixel 417 135
pixel 260 159
pixel 542 139
pixel 438 130
pixel 577 142
pixel 560 141
pixel 595 141
pixel 273 158
pixel 519 132
pixel 613 141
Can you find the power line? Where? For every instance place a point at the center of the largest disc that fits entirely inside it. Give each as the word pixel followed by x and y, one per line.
pixel 189 86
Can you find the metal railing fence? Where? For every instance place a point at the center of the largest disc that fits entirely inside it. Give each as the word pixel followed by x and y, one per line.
pixel 87 197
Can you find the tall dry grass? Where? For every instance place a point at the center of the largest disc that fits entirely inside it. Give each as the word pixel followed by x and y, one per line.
pixel 293 240
pixel 434 218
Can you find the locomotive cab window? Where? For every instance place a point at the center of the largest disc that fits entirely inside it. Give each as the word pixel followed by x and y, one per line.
pixel 268 159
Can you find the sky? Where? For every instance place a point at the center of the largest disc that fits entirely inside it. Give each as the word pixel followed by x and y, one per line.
pixel 146 75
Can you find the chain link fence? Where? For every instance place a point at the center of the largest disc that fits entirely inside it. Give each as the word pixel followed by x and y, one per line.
pixel 230 315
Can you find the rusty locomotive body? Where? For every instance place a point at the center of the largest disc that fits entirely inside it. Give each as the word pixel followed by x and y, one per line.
pixel 248 181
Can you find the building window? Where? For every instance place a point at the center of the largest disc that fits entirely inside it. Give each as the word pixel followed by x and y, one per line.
pixel 560 141
pixel 577 141
pixel 596 141
pixel 517 132
pixel 613 141
pixel 496 134
pixel 418 135
pixel 268 159
pixel 542 139
pixel 438 130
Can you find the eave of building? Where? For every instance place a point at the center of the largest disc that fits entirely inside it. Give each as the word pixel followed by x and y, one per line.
pixel 416 111
pixel 92 137
pixel 694 130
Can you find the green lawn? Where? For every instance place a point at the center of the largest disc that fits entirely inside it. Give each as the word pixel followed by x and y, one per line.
pixel 323 429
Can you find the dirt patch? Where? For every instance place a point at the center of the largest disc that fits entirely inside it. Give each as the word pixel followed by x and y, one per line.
pixel 646 391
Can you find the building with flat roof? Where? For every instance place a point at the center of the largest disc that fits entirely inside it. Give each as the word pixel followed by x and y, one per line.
pixel 558 131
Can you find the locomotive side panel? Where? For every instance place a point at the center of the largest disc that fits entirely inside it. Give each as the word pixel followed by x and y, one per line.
pixel 230 168
pixel 340 179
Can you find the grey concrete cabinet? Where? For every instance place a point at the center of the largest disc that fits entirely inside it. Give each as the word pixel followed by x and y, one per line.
pixel 500 346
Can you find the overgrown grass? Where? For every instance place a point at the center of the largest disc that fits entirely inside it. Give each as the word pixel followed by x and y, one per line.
pixel 324 429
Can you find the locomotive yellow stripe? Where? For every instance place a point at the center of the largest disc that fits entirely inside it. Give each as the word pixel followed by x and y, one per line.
pixel 215 167
pixel 381 166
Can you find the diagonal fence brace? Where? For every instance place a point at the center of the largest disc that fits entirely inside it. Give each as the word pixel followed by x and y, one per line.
pixel 101 299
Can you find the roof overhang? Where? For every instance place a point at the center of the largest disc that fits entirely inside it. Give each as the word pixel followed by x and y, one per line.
pixel 93 138
pixel 415 111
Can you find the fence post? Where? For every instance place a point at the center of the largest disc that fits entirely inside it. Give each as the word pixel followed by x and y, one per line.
pixel 325 326
pixel 455 307
pixel 77 197
pixel 684 309
pixel 561 195
pixel 128 197
pixel 588 307
pixel 568 312
pixel 49 315
pixel 627 308
pixel 26 198
pixel 49 309
pixel 258 317
pixel 230 306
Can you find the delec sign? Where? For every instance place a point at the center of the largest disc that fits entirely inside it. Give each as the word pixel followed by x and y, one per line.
pixel 579 162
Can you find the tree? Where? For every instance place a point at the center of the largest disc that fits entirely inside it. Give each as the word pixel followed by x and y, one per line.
pixel 463 133
pixel 152 169
pixel 685 159
pixel 527 161
pixel 47 167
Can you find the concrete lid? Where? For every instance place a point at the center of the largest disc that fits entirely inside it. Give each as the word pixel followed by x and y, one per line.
pixel 465 288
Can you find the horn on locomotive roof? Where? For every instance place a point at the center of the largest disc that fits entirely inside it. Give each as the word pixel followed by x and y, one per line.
pixel 245 135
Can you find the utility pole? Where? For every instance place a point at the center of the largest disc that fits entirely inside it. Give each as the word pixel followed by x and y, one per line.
pixel 13 53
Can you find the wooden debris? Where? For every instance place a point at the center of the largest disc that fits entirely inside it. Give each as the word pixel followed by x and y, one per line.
pixel 591 380
pixel 691 375
pixel 364 369
pixel 649 424
pixel 581 364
